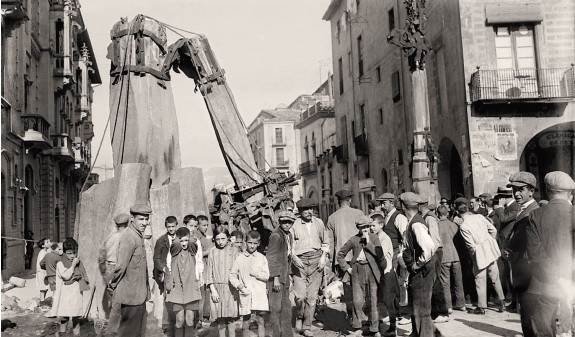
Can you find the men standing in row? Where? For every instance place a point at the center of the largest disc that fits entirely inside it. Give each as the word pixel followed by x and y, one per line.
pixel 309 257
pixel 419 257
pixel 130 280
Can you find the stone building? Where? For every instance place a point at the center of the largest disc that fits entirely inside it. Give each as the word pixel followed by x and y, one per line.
pixel 317 140
pixel 47 76
pixel 486 122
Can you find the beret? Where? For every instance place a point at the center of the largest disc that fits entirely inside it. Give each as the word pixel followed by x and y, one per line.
pixel 363 221
pixel 344 194
pixel 559 181
pixel 286 215
pixel 461 201
pixel 121 218
pixel 386 196
pixel 504 191
pixel 409 198
pixel 485 195
pixel 521 179
pixel 306 203
pixel 141 209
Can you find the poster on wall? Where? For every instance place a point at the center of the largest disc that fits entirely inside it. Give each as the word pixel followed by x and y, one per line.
pixel 482 141
pixel 506 146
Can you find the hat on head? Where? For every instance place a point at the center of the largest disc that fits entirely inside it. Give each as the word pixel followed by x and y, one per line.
pixel 141 209
pixel 461 201
pixel 386 196
pixel 559 181
pixel 344 194
pixel 409 198
pixel 422 199
pixel 121 219
pixel 306 203
pixel 504 192
pixel 286 215
pixel 521 179
pixel 363 221
pixel 486 195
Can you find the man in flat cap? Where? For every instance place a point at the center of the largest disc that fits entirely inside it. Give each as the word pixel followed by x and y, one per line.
pixel 549 252
pixel 107 260
pixel 341 227
pixel 130 279
pixel 419 257
pixel 310 256
pixel 365 269
pixel 523 185
pixel 279 261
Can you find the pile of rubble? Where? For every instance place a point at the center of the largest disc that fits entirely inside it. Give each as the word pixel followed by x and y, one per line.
pixel 15 304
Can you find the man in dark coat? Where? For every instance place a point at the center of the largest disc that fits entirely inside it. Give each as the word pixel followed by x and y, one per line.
pixel 549 252
pixel 130 279
pixel 162 263
pixel 279 262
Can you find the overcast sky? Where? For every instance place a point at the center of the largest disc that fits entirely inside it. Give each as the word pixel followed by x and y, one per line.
pixel 272 51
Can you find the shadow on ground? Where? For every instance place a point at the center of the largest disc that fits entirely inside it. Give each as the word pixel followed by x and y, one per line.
pixel 485 327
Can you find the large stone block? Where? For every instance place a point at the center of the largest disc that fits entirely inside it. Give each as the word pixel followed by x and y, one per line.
pixel 165 201
pixel 193 196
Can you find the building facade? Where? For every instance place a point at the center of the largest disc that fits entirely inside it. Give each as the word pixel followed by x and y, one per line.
pixel 47 76
pixel 481 100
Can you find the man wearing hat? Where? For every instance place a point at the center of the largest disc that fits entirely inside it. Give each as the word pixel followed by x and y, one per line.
pixel 130 279
pixel 365 268
pixel 549 252
pixel 483 197
pixel 107 258
pixel 279 262
pixel 309 257
pixel 419 257
pixel 523 185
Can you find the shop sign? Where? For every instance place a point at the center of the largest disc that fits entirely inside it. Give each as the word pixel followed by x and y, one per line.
pixel 557 138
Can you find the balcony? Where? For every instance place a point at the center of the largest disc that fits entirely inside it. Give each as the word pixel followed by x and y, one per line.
pixel 361 145
pixel 342 153
pixel 282 164
pixel 62 147
pixel 14 11
pixel 58 65
pixel 88 130
pixel 36 132
pixel 307 168
pixel 80 152
pixel 523 86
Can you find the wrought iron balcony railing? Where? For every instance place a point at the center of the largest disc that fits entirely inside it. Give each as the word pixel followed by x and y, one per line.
pixel 342 153
pixel 361 145
pixel 36 132
pixel 307 167
pixel 523 84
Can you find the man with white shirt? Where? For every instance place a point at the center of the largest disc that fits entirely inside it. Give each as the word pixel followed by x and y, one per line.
pixel 419 257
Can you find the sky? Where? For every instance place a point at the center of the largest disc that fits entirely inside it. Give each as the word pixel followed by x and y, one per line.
pixel 272 52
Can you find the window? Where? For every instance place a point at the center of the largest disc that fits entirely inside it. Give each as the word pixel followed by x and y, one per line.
pixel 395 87
pixel 343 129
pixel 380 113
pixel 345 173
pixel 362 118
pixel 349 62
pixel 391 19
pixel 280 156
pixel 338 31
pixel 359 56
pixel 399 157
pixel 59 37
pixel 515 47
pixel 352 129
pixel 279 136
pixel 340 69
pixel 378 74
pixel 57 189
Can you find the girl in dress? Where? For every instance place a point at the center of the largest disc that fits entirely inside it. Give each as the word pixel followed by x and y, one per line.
pixel 224 298
pixel 71 281
pixel 44 246
pixel 183 287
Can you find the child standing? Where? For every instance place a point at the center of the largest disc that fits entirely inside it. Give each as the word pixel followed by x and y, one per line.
pixel 183 288
pixel 71 281
pixel 44 246
pixel 48 263
pixel 249 276
pixel 224 304
pixel 237 240
pixel 206 244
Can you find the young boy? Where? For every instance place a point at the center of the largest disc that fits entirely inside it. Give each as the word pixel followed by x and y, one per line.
pixel 249 275
pixel 49 262
pixel 279 262
pixel 237 240
pixel 191 222
pixel 365 268
pixel 207 244
pixel 388 283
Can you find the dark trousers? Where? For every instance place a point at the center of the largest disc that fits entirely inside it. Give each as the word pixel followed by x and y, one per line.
pixel 362 280
pixel 538 314
pixel 505 277
pixel 280 311
pixel 438 304
pixel 390 295
pixel 447 269
pixel 132 320
pixel 204 305
pixel 419 294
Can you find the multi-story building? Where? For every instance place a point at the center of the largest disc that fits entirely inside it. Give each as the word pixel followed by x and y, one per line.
pixel 500 93
pixel 47 75
pixel 317 139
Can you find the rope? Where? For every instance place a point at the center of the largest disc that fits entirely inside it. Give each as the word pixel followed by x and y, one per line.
pixel 11 238
pixel 172 28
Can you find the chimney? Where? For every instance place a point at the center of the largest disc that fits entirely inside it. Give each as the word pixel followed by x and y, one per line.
pixel 330 85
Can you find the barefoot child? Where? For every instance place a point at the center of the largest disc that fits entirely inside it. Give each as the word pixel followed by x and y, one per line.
pixel 183 288
pixel 224 305
pixel 249 275
pixel 44 246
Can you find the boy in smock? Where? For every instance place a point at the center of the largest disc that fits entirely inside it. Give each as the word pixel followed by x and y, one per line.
pixel 249 275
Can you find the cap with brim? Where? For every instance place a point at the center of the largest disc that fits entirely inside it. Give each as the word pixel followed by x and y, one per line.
pixel 521 179
pixel 485 195
pixel 422 199
pixel 122 219
pixel 461 201
pixel 141 209
pixel 306 203
pixel 343 194
pixel 286 215
pixel 363 221
pixel 386 196
pixel 559 181
pixel 409 198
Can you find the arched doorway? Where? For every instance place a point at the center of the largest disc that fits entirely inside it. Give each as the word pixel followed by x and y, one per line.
pixel 450 172
pixel 552 149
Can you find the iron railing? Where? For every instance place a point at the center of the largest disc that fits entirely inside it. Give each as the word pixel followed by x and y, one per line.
pixel 361 145
pixel 307 167
pixel 513 84
pixel 342 153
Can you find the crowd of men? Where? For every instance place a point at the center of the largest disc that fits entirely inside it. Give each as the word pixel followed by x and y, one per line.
pixel 401 258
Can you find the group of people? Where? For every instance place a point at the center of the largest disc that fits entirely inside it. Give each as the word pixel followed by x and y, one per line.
pixel 400 258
